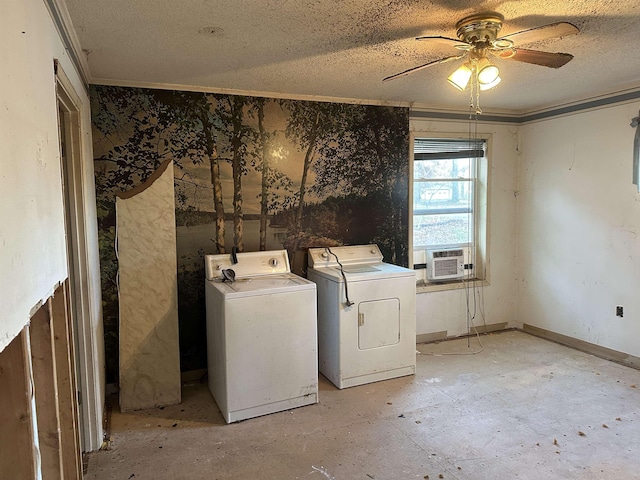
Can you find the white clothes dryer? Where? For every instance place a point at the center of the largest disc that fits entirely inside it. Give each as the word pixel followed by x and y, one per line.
pixel 261 335
pixel 366 315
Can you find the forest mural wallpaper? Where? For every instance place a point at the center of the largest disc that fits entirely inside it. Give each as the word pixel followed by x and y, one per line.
pixel 257 173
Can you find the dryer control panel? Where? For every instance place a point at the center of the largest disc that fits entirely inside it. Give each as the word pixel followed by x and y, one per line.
pixel 349 255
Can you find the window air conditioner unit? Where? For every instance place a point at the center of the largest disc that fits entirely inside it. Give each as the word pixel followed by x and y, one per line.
pixel 445 264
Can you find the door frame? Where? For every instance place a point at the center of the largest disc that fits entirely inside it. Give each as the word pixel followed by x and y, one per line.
pixel 87 338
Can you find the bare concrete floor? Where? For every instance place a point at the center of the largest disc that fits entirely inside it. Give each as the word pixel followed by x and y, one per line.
pixel 522 408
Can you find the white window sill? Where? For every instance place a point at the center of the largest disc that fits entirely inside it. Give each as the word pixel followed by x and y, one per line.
pixel 425 287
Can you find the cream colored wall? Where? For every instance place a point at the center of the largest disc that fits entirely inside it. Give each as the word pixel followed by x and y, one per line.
pixel 32 242
pixel 439 311
pixel 33 260
pixel 578 222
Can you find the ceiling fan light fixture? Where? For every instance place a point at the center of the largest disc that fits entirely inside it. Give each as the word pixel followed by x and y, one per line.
pixel 478 35
pixel 490 85
pixel 487 72
pixel 460 78
pixel 502 43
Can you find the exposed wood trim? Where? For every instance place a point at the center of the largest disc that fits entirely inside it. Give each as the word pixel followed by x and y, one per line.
pixel 46 393
pixel 16 431
pixel 67 393
pixel 38 391
pixel 592 348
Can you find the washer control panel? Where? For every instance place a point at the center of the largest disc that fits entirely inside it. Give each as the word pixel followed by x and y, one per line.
pixel 249 264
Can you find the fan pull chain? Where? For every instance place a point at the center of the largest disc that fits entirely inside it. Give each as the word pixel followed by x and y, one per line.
pixel 475 89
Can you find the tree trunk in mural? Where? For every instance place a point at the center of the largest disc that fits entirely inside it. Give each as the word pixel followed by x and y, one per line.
pixel 315 127
pixel 382 143
pixel 237 104
pixel 388 142
pixel 264 198
pixel 308 157
pixel 390 184
pixel 214 169
pixel 367 159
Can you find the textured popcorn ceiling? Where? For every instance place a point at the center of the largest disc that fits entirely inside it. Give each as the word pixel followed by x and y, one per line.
pixel 344 48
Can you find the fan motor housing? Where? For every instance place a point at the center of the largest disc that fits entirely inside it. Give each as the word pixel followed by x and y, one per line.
pixel 480 28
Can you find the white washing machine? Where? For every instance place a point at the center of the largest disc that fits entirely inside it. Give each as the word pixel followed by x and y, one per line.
pixel 366 315
pixel 261 335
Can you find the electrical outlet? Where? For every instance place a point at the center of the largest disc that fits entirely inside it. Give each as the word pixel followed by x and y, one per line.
pixel 619 311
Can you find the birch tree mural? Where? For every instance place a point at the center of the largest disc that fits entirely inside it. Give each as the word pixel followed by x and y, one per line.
pixel 310 126
pixel 201 109
pixel 250 172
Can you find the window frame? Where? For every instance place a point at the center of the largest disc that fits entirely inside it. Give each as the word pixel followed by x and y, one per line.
pixel 425 213
pixel 475 253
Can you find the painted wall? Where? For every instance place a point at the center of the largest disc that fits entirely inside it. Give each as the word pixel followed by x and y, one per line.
pixel 438 311
pixel 32 243
pixel 578 225
pixel 31 213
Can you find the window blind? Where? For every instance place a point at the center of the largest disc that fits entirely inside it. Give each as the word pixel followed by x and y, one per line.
pixel 447 148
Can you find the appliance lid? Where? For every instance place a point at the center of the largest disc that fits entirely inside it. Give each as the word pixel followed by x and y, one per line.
pixel 359 273
pixel 358 269
pixel 262 285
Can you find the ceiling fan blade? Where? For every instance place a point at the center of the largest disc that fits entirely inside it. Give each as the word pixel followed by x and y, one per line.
pixel 443 40
pixel 420 67
pixel 536 57
pixel 545 32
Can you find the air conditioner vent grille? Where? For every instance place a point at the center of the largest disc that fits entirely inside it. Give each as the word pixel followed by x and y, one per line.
pixel 446 267
pixel 447 253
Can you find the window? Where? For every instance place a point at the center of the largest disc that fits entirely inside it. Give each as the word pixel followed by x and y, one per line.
pixel 449 198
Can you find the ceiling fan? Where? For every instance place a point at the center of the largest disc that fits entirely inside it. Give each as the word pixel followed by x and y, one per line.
pixel 478 37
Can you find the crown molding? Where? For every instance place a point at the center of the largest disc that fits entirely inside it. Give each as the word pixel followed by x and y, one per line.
pixel 64 26
pixel 592 103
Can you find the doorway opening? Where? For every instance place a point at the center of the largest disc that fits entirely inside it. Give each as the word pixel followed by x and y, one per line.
pixel 85 335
